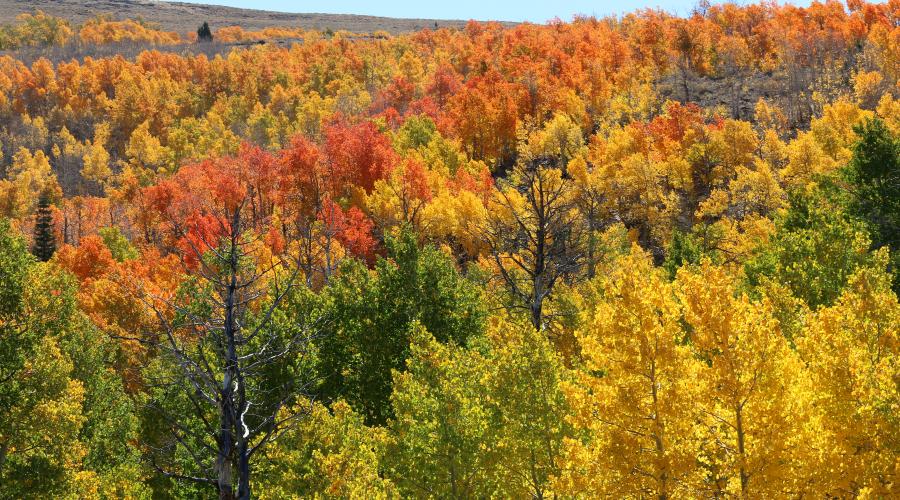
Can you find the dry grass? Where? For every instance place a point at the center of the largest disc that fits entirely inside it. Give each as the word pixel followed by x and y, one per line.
pixel 184 17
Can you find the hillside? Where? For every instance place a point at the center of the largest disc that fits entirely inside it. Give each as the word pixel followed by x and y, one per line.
pixel 640 257
pixel 184 17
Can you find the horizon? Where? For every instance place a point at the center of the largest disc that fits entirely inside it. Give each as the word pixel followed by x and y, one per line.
pixel 530 11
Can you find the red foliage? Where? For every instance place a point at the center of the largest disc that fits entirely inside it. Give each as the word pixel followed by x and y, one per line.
pixel 481 184
pixel 202 233
pixel 415 182
pixel 352 228
pixel 676 121
pixel 89 260
pixel 445 83
pixel 357 155
pixel 398 95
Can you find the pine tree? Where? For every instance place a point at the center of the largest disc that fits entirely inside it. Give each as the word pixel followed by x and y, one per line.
pixel 44 234
pixel 874 178
pixel 204 34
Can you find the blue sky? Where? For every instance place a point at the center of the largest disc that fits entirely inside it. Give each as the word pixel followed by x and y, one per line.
pixel 506 10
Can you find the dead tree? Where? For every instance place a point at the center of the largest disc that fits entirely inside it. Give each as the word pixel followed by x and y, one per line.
pixel 534 234
pixel 229 375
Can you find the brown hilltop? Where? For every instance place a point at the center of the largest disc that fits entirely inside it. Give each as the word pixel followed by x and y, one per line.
pixel 185 17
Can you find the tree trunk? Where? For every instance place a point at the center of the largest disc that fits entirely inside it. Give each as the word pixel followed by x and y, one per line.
pixel 658 432
pixel 243 471
pixel 4 449
pixel 227 410
pixel 745 478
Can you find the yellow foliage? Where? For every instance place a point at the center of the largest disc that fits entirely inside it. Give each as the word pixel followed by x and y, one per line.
pixel 636 394
pixel 96 158
pixel 866 86
pixel 834 129
pixel 852 350
pixel 758 434
pixel 29 176
pixel 145 151
pixel 806 160
pixel 329 454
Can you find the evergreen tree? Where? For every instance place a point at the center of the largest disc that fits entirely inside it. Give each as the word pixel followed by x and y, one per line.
pixel 44 234
pixel 204 34
pixel 874 178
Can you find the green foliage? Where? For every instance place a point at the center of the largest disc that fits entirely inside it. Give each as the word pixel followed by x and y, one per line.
pixel 685 249
pixel 110 426
pixel 441 423
pixel 467 427
pixel 330 453
pixel 814 251
pixel 14 264
pixel 44 234
pixel 371 313
pixel 68 427
pixel 34 377
pixel 118 244
pixel 416 132
pixel 874 178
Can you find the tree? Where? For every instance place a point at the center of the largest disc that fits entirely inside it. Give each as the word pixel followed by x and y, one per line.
pixel 874 178
pixel 534 235
pixel 466 426
pixel 442 431
pixel 204 34
pixel 40 401
pixel 228 371
pixel 330 454
pixel 44 231
pixel 757 427
pixel 636 395
pixel 852 350
pixel 371 313
pixel 815 249
pixel 530 421
pixel 69 429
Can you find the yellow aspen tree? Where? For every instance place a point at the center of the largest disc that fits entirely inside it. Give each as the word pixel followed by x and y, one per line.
pixel 29 176
pixel 146 153
pixel 852 350
pixel 806 160
pixel 834 129
pixel 636 394
pixel 756 396
pixel 96 158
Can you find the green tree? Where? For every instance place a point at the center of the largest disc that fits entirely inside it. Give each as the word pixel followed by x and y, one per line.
pixel 814 251
pixel 874 185
pixel 68 428
pixel 204 34
pixel 44 233
pixel 441 426
pixel 40 403
pixel 118 244
pixel 370 315
pixel 686 248
pixel 332 453
pixel 482 421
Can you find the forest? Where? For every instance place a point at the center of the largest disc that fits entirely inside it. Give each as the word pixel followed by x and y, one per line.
pixel 641 256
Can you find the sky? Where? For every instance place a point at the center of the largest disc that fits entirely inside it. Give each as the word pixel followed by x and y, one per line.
pixel 482 10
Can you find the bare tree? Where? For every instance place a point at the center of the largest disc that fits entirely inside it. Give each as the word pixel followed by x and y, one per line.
pixel 534 233
pixel 230 373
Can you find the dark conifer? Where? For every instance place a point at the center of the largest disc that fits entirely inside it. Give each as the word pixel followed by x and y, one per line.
pixel 44 233
pixel 204 34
